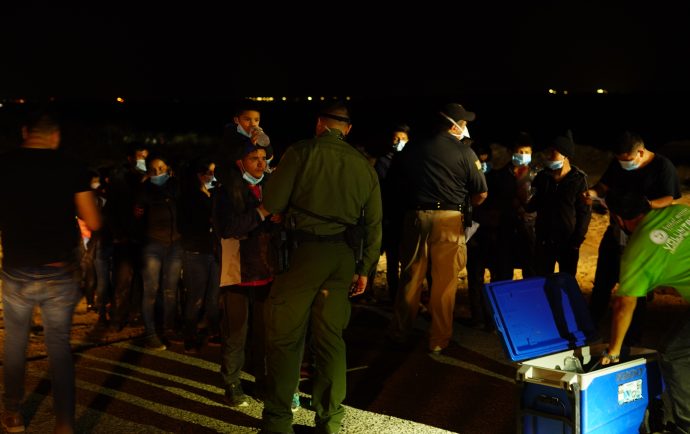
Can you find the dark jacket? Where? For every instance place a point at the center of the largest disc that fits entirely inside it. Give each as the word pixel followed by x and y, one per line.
pixel 236 221
pixel 194 222
pixel 562 215
pixel 160 211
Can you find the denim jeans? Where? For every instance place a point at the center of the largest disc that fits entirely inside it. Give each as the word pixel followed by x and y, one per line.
pixel 201 280
pixel 161 271
pixel 127 281
pixel 102 263
pixel 56 292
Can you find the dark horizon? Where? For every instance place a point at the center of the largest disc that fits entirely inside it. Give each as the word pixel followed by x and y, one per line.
pixel 198 52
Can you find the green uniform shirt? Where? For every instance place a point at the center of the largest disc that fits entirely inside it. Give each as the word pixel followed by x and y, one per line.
pixel 330 178
pixel 658 253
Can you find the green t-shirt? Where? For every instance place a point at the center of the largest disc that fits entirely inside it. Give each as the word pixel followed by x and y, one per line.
pixel 658 253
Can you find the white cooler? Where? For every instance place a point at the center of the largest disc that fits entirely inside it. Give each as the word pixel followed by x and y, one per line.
pixel 543 321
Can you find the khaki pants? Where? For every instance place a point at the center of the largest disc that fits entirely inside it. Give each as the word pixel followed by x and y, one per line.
pixel 438 236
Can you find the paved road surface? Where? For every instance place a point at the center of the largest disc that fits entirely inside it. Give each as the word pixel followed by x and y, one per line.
pixel 123 388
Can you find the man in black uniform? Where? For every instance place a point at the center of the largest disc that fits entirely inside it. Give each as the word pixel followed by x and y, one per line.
pixel 438 174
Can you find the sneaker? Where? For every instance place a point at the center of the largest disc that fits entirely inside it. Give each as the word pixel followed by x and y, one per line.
pixel 173 336
pixel 12 421
pixel 235 397
pixel 295 404
pixel 192 346
pixel 436 350
pixel 154 343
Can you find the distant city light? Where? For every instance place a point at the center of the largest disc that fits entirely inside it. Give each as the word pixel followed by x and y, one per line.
pixel 602 91
pixel 565 92
pixel 285 98
pixel 120 100
pixel 20 101
pixel 553 91
pixel 0 105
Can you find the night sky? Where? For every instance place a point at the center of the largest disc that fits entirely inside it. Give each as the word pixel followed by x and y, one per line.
pixel 334 48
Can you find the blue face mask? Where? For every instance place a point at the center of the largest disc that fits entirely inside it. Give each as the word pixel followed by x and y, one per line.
pixel 209 185
pixel 521 159
pixel 160 179
pixel 485 167
pixel 629 165
pixel 554 165
pixel 242 131
pixel 250 179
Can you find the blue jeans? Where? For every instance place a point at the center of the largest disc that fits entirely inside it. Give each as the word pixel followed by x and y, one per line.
pixel 102 263
pixel 161 271
pixel 201 280
pixel 56 291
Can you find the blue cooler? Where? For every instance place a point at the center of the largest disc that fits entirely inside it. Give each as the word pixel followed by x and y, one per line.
pixel 544 321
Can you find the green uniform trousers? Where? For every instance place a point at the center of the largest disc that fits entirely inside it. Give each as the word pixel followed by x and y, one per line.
pixel 313 292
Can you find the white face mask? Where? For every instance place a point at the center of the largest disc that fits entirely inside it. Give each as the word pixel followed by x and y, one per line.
pixel 465 130
pixel 141 166
pixel 401 144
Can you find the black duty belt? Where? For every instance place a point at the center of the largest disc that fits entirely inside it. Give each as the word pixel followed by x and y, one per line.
pixel 305 237
pixel 439 206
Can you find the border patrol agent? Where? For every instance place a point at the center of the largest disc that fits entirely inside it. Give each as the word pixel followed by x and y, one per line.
pixel 323 183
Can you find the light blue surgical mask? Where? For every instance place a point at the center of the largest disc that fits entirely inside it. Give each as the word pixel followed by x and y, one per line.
pixel 485 167
pixel 250 179
pixel 629 165
pixel 554 164
pixel 210 184
pixel 159 180
pixel 521 159
pixel 242 131
pixel 141 166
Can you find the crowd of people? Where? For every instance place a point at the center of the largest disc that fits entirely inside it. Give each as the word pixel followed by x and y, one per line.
pixel 264 261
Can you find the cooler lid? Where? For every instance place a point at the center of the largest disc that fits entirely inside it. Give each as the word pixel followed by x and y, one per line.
pixel 540 316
